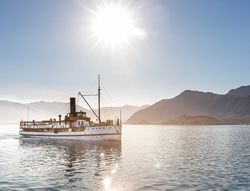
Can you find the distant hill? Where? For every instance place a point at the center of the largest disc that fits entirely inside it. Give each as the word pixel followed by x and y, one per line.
pixel 13 112
pixel 8 115
pixel 126 111
pixel 214 109
pixel 243 91
pixel 193 120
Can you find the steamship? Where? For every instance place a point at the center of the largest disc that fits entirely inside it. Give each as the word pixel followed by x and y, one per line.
pixel 76 125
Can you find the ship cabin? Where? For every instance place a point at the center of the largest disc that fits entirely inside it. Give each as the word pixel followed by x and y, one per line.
pixel 76 121
pixel 73 122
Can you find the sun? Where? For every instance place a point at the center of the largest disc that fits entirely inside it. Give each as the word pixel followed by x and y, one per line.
pixel 114 25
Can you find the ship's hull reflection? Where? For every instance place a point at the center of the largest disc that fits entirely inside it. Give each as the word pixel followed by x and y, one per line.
pixel 85 164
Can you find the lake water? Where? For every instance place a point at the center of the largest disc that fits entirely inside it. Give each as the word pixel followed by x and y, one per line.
pixel 148 158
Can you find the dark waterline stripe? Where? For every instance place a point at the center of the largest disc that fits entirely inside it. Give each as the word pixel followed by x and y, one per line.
pixel 73 135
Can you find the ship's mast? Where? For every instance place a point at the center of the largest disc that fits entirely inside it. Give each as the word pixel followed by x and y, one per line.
pixel 99 100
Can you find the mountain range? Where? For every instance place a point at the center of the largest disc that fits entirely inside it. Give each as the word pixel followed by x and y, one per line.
pixel 13 112
pixel 188 108
pixel 194 107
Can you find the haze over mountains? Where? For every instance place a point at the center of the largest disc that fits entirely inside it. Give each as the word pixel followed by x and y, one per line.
pixel 188 108
pixel 13 112
pixel 194 107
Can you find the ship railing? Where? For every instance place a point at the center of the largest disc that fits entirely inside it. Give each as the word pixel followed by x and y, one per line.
pixel 43 124
pixel 107 123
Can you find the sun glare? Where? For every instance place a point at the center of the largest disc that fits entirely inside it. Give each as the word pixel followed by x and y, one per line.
pixel 115 25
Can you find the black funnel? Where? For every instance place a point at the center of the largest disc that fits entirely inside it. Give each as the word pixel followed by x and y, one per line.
pixel 72 105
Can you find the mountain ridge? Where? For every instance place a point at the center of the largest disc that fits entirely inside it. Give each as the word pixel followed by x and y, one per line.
pixel 13 112
pixel 242 91
pixel 195 104
pixel 189 107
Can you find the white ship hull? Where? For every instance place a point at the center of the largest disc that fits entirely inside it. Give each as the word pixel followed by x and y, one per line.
pixel 113 132
pixel 76 125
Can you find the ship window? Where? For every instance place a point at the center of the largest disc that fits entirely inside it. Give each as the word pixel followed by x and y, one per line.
pixel 110 127
pixel 93 128
pixel 103 127
pixel 99 127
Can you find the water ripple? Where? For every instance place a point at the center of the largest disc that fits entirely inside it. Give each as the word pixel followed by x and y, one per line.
pixel 160 158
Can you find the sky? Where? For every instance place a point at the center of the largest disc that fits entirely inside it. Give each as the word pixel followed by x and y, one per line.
pixel 49 51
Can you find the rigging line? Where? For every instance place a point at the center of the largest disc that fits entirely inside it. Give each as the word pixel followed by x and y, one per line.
pixel 90 87
pixel 78 105
pixel 109 108
pixel 109 95
pixel 104 110
pixel 89 106
pixel 90 94
pixel 87 90
pixel 115 105
pixel 66 104
pixel 95 105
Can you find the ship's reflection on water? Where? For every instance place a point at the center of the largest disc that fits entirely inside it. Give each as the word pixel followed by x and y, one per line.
pixel 149 158
pixel 80 164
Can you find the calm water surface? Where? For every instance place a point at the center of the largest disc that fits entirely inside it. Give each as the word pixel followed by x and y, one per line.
pixel 148 158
